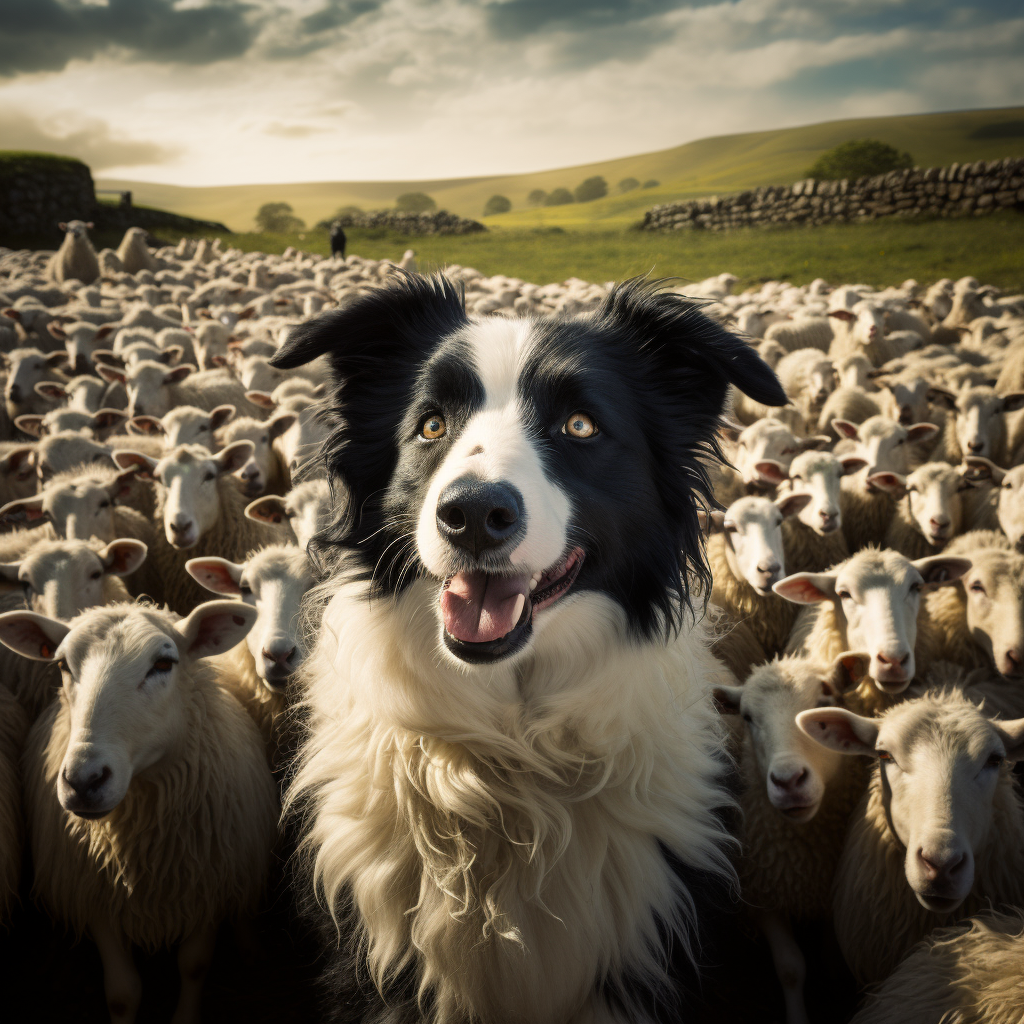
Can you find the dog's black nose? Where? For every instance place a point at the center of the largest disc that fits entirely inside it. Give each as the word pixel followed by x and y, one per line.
pixel 479 514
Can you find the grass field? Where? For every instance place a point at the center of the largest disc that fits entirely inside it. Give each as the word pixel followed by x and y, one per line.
pixel 717 165
pixel 877 253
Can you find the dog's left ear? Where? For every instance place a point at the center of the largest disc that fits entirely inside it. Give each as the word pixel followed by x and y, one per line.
pixel 679 337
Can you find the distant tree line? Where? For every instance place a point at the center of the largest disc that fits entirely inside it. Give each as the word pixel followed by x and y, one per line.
pixel 586 191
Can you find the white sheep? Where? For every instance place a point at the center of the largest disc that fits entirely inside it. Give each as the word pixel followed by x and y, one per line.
pixel 85 393
pixel 978 426
pixel 306 508
pixel 27 367
pixel 75 260
pixel 809 332
pixel 968 973
pixel 81 341
pixel 1009 495
pixel 765 450
pixel 153 389
pixel 98 425
pixel 151 810
pixel 940 834
pixel 134 254
pixel 848 404
pixel 808 377
pixel 17 471
pixel 185 424
pixel 795 800
pixel 262 472
pixel 871 602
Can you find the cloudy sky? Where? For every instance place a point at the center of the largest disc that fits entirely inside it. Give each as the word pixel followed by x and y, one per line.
pixel 228 91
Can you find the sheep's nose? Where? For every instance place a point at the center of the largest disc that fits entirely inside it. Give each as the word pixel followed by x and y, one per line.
pixel 937 866
pixel 14 393
pixel 278 657
pixel 88 783
pixel 906 415
pixel 768 568
pixel 794 780
pixel 894 660
pixel 975 446
pixel 180 526
pixel 81 364
pixel 1013 661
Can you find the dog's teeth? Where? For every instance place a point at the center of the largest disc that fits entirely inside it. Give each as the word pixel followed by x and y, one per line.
pixel 520 601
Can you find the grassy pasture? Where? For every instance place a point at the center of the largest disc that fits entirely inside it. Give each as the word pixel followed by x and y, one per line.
pixel 727 163
pixel 876 253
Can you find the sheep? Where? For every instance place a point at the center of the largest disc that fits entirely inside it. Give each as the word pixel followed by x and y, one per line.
pixel 75 260
pixel 84 393
pixel 854 371
pixel 813 540
pixel 1009 504
pixel 13 728
pixel 765 450
pixel 795 800
pixel 940 832
pixel 858 330
pixel 746 558
pixel 808 378
pixel 60 453
pixel 134 254
pixel 872 602
pixel 262 472
pixel 980 621
pixel 17 472
pixel 201 510
pixel 274 579
pixel 81 340
pixel 810 332
pixel 153 389
pixel 930 507
pixel 98 425
pixel 965 974
pixel 885 447
pixel 978 426
pixel 185 425
pixel 850 404
pixel 211 344
pixel 151 809
pixel 27 367
pixel 297 435
pixel 905 399
pixel 307 508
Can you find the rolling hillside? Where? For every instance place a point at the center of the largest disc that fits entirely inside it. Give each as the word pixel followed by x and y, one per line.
pixel 725 163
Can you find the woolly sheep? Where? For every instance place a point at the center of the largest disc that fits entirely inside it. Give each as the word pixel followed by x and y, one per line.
pixel 746 558
pixel 871 602
pixel 812 332
pixel 795 800
pixel 262 472
pixel 153 390
pixel 969 973
pixel 84 393
pixel 1009 504
pixel 306 508
pixel 298 442
pixel 978 426
pixel 858 330
pixel 98 425
pixel 185 425
pixel 765 450
pixel 134 254
pixel 27 367
pixel 808 378
pixel 854 371
pixel 201 511
pixel 75 260
pixel 17 472
pixel 151 810
pixel 81 340
pixel 940 833
pixel 848 404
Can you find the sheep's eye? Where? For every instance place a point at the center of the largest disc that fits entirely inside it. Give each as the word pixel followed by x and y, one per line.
pixel 204 426
pixel 885 757
pixel 748 717
pixel 843 594
pixel 916 588
pixel 977 587
pixel 245 590
pixel 797 478
pixel 900 441
pixel 160 666
pixel 104 504
pixel 433 427
pixel 265 439
pixel 911 489
pixel 994 761
pixel 63 666
pixel 208 476
pixel 95 575
pixel 580 425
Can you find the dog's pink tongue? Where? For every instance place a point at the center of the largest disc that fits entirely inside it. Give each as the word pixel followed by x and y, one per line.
pixel 478 607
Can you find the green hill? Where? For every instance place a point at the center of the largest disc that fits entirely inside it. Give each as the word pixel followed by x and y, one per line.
pixel 725 163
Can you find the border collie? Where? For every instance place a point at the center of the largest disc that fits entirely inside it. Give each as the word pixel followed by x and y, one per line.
pixel 512 766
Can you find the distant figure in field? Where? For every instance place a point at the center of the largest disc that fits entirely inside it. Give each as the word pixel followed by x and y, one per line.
pixel 338 239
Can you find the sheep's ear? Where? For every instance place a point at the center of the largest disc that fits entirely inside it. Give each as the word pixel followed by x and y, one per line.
pixel 111 374
pixel 771 471
pixel 727 699
pixel 247 313
pixel 104 332
pixel 730 430
pixel 843 314
pixel 53 392
pixel 179 373
pixel 852 464
pixel 817 442
pixel 9 571
pixel 234 456
pixel 270 509
pixel 280 425
pixel 807 587
pixel 121 486
pixel 56 330
pixel 123 557
pixel 921 432
pixel 892 483
pixel 215 627
pixel 848 670
pixel 19 460
pixel 260 398
pixel 146 425
pixel 978 469
pixel 221 415
pixel 1012 735
pixel 839 729
pixel 105 357
pixel 172 354
pixel 27 510
pixel 29 424
pixel 124 459
pixel 107 419
pixel 216 574
pixel 32 635
pixel 1013 402
pixel 844 428
pixel 941 570
pixel 711 522
pixel 62 225
pixel 792 504
pixel 56 358
pixel 941 396
pixel 218 361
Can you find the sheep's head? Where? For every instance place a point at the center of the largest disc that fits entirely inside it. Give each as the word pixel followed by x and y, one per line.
pixel 932 493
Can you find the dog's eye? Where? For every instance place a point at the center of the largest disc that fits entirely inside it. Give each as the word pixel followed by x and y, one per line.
pixel 579 424
pixel 433 427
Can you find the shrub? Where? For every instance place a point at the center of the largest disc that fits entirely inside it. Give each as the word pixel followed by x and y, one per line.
pixel 415 202
pixel 537 197
pixel 278 218
pixel 651 183
pixel 351 210
pixel 628 184
pixel 859 158
pixel 497 204
pixel 558 197
pixel 591 189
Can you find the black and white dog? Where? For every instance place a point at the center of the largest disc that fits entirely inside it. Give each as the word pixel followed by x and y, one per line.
pixel 512 761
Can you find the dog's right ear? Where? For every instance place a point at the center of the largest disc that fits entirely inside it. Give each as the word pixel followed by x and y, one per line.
pixel 400 322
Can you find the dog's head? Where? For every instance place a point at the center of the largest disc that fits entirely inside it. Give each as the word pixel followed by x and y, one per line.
pixel 523 463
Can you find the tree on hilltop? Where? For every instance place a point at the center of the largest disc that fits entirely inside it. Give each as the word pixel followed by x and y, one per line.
pixel 591 189
pixel 278 218
pixel 415 202
pixel 497 204
pixel 859 158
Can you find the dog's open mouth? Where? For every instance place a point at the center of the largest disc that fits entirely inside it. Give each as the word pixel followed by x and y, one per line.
pixel 487 616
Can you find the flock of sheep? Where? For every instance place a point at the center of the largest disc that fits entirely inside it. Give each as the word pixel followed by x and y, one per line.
pixel 158 482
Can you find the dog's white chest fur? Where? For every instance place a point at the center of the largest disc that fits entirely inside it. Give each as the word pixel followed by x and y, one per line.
pixel 503 827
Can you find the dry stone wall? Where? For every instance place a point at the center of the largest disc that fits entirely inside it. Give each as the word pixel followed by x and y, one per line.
pixel 438 222
pixel 960 190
